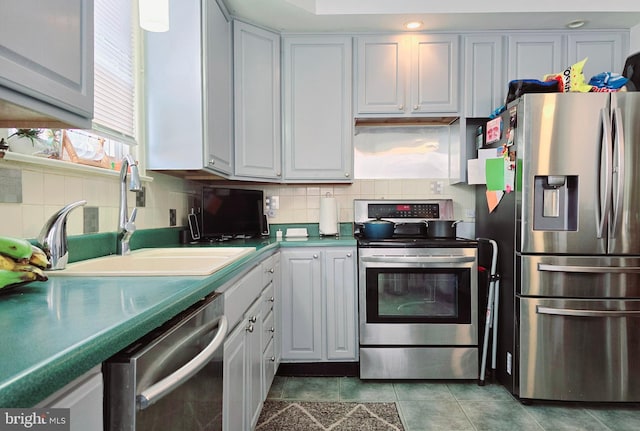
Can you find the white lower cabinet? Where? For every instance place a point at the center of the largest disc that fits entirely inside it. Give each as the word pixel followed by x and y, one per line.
pixel 249 306
pixel 83 397
pixel 318 304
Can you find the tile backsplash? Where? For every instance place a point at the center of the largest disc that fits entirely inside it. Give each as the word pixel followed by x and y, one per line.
pixel 44 190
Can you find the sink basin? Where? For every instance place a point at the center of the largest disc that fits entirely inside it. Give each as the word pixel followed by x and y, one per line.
pixel 157 262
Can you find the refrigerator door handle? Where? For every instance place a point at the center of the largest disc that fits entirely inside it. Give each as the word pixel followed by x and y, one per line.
pixel 604 206
pixel 586 313
pixel 618 170
pixel 589 269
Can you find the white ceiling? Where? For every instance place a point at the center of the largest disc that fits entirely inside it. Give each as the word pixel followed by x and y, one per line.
pixel 449 15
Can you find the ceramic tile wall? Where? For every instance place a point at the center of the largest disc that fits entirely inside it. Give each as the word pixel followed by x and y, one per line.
pixel 46 190
pixel 301 203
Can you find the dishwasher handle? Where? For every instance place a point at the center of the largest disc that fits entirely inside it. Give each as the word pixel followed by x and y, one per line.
pixel 158 390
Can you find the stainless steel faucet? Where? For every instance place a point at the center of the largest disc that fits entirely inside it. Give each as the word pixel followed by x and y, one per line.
pixel 126 226
pixel 53 236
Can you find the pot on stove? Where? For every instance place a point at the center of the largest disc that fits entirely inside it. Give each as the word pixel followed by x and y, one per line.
pixel 441 228
pixel 378 229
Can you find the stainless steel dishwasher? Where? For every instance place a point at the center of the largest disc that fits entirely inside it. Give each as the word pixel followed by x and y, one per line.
pixel 172 378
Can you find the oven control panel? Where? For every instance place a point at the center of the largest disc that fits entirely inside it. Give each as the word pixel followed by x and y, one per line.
pixel 402 210
pixel 423 211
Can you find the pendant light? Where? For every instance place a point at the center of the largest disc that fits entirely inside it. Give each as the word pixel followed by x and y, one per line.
pixel 154 15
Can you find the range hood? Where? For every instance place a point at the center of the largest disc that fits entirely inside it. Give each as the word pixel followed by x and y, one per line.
pixel 405 121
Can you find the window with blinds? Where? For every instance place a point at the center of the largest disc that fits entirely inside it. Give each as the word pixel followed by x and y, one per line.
pixel 114 97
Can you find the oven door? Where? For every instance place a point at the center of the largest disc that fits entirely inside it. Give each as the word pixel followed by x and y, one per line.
pixel 418 296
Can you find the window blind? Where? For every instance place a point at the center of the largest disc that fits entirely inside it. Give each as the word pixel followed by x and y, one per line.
pixel 114 92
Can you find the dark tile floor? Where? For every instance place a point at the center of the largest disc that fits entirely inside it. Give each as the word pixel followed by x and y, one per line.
pixel 429 406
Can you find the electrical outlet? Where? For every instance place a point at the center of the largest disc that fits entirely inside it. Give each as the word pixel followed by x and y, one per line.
pixel 275 202
pixel 91 220
pixel 172 217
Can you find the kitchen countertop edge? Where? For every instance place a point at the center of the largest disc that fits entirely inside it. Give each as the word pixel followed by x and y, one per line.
pixel 37 380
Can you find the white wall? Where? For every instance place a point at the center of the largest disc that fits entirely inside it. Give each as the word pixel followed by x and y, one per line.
pixel 634 40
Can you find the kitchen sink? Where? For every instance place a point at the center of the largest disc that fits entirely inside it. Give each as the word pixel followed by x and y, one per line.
pixel 157 262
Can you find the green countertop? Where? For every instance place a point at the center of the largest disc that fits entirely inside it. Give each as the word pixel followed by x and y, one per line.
pixel 54 331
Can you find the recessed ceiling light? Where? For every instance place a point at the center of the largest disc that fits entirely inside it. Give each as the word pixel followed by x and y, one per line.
pixel 413 25
pixel 576 23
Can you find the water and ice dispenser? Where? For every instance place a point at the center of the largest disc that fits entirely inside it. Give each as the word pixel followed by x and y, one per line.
pixel 555 203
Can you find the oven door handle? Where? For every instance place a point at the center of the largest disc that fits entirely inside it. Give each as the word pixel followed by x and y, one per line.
pixel 589 269
pixel 419 259
pixel 158 390
pixel 586 313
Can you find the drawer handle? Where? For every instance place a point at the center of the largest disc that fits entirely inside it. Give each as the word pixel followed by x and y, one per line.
pixel 586 313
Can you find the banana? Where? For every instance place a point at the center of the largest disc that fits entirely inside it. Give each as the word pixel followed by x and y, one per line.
pixel 13 278
pixel 39 258
pixel 7 263
pixel 15 248
pixel 37 273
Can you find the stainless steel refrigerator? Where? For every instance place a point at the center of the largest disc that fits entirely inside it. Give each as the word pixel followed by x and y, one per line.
pixel 569 246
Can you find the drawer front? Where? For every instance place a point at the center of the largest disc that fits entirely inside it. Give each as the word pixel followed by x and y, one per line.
pixel 269 328
pixel 270 368
pixel 579 349
pixel 241 295
pixel 269 269
pixel 268 299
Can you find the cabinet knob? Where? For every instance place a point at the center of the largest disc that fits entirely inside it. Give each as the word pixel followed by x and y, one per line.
pixel 348 254
pixel 315 256
pixel 272 299
pixel 253 319
pixel 272 329
pixel 212 162
pixel 271 270
pixel 347 174
pixel 249 328
pixel 416 107
pixel 400 107
pixel 278 174
pixel 272 359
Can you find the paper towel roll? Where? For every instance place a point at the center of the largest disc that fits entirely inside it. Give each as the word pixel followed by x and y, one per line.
pixel 328 216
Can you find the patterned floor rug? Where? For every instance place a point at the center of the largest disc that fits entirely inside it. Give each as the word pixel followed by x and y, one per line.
pixel 328 416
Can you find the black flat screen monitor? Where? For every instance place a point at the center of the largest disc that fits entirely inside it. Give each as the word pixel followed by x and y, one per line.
pixel 228 212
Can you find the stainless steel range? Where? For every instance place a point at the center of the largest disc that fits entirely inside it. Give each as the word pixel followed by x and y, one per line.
pixel 418 296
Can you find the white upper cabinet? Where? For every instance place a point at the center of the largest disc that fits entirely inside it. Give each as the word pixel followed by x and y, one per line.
pixel 434 74
pixel 46 62
pixel 257 102
pixel 407 75
pixel 317 116
pixel 605 52
pixel 531 56
pixel 484 87
pixel 382 63
pixel 188 90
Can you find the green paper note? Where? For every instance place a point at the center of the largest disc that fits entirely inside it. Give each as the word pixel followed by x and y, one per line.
pixel 494 171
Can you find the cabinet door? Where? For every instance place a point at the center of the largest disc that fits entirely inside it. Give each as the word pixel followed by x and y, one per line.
pixel 484 86
pixel 253 342
pixel 46 52
pixel 218 85
pixel 301 305
pixel 531 56
pixel 434 74
pixel 234 410
pixel 603 51
pixel 317 109
pixel 257 102
pixel 382 63
pixel 341 322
